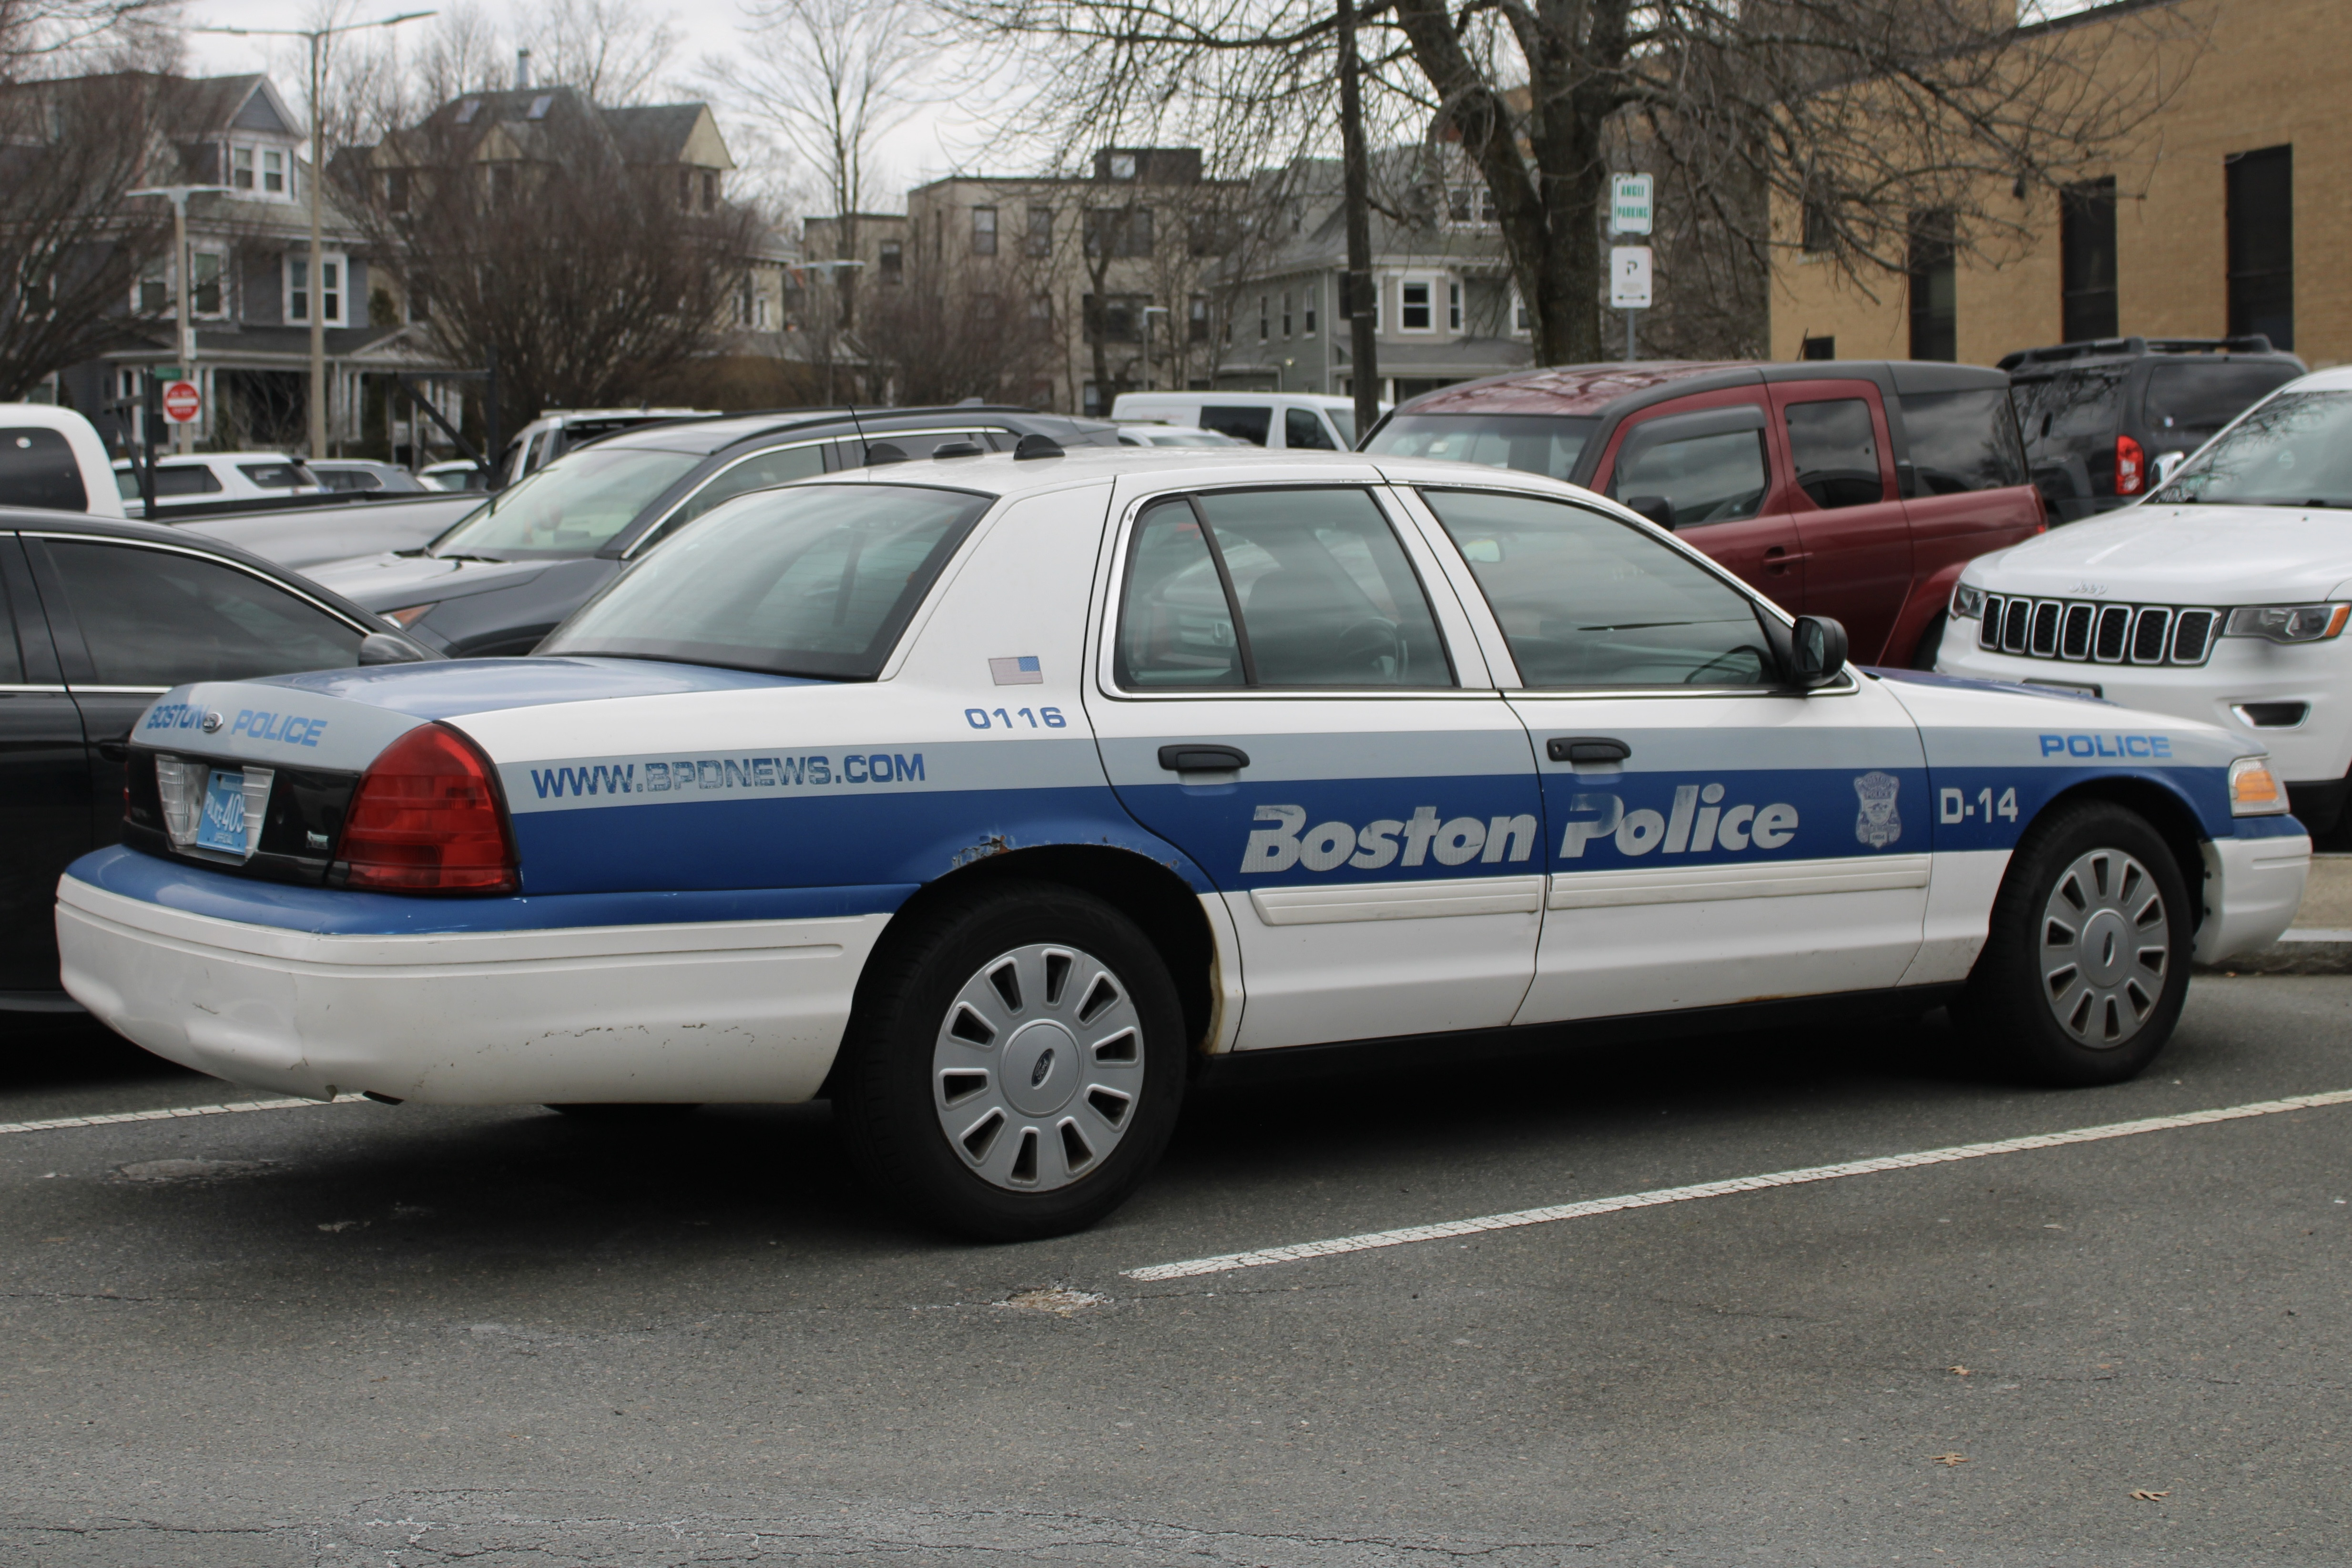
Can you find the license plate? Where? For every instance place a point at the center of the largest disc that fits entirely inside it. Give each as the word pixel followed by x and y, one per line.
pixel 222 826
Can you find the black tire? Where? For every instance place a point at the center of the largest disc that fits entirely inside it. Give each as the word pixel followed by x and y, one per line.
pixel 2104 1019
pixel 1931 642
pixel 895 1103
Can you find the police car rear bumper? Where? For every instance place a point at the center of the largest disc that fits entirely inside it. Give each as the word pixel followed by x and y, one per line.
pixel 2252 888
pixel 747 1011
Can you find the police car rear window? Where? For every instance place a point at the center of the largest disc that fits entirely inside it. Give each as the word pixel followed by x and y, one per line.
pixel 819 580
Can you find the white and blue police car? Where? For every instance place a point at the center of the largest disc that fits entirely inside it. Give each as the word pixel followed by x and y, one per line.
pixel 995 796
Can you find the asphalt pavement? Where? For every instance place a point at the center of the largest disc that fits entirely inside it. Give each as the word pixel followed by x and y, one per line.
pixel 401 1336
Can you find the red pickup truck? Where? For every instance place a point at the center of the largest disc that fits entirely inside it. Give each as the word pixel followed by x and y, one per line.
pixel 1851 488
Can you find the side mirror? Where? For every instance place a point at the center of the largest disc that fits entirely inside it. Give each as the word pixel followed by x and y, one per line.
pixel 1657 509
pixel 382 647
pixel 1819 654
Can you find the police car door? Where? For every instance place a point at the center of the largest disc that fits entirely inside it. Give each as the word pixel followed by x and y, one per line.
pixel 1712 836
pixel 1286 689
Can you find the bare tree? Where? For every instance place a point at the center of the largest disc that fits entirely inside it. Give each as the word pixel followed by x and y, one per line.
pixel 944 334
pixel 829 79
pixel 613 52
pixel 71 248
pixel 41 37
pixel 588 279
pixel 1872 109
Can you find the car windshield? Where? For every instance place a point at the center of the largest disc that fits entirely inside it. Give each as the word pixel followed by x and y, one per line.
pixel 1545 444
pixel 2294 450
pixel 814 580
pixel 570 508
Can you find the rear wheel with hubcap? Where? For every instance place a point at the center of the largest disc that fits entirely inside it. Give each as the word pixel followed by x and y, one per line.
pixel 2085 964
pixel 1015 1064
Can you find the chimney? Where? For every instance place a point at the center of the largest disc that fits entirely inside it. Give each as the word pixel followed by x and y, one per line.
pixel 523 70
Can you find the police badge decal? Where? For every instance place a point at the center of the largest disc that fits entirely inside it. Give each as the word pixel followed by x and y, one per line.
pixel 1877 826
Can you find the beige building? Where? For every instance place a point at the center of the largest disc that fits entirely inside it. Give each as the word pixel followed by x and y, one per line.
pixel 2230 214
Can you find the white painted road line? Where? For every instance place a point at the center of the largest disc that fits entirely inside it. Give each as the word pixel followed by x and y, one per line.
pixel 1301 1251
pixel 178 1113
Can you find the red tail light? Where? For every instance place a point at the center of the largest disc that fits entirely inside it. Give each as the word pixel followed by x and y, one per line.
pixel 2131 467
pixel 426 818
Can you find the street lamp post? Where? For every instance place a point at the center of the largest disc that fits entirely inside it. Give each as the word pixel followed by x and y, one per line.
pixel 181 267
pixel 314 268
pixel 832 308
pixel 1149 311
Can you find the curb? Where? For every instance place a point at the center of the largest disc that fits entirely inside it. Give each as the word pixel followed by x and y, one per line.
pixel 2312 951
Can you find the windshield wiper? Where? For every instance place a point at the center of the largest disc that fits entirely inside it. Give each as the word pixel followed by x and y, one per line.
pixel 460 555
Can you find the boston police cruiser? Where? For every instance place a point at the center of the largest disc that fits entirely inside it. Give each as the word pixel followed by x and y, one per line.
pixel 996 798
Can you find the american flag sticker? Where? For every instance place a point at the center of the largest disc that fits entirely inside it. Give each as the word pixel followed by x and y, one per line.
pixel 1022 671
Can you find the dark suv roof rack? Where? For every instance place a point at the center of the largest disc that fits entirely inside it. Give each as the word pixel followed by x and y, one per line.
pixel 2115 348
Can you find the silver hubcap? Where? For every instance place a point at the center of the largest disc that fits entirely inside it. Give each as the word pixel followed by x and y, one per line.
pixel 1038 1067
pixel 2105 947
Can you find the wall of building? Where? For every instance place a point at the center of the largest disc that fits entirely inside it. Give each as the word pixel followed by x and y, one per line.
pixel 2270 73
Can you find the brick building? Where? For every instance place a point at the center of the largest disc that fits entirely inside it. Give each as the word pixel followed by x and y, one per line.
pixel 2229 215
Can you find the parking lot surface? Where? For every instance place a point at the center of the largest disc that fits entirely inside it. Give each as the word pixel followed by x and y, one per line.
pixel 359 1334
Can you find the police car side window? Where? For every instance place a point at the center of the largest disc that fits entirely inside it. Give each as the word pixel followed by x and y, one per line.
pixel 1275 588
pixel 1586 601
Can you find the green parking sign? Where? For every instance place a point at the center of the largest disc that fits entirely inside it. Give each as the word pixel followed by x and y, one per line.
pixel 1630 204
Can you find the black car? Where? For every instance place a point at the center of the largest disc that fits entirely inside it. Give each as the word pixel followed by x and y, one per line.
pixel 506 574
pixel 2105 420
pixel 98 618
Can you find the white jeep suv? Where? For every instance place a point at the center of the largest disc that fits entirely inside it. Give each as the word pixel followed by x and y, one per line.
pixel 2222 595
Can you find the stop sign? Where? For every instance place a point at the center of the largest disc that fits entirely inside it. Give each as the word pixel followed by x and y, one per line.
pixel 181 402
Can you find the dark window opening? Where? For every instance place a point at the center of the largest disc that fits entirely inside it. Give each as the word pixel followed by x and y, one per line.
pixel 1935 287
pixel 2261 243
pixel 1817 348
pixel 1820 227
pixel 2086 246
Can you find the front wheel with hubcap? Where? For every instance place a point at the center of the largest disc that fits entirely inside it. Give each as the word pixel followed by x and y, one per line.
pixel 2085 964
pixel 1015 1063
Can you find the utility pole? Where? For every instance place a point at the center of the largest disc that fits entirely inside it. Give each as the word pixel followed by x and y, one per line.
pixel 181 266
pixel 1356 196
pixel 314 266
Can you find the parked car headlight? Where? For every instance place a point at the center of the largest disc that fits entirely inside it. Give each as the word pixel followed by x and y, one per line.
pixel 1968 601
pixel 2288 623
pixel 2254 790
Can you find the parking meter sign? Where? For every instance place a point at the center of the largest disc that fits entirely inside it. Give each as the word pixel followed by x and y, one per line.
pixel 1629 278
pixel 182 403
pixel 1630 202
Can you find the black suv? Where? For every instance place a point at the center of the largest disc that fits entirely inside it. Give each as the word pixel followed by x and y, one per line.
pixel 502 576
pixel 2100 417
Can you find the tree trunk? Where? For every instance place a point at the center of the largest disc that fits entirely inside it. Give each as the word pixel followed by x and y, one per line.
pixel 1356 180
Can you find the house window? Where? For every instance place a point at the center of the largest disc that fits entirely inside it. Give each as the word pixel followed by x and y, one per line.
pixel 1114 319
pixel 894 262
pixel 1453 307
pixel 1118 231
pixel 2261 243
pixel 153 296
pixel 1414 311
pixel 1314 298
pixel 1041 231
pixel 1122 166
pixel 207 298
pixel 330 289
pixel 1196 320
pixel 1817 348
pixel 273 170
pixel 395 190
pixel 1041 307
pixel 1522 325
pixel 983 231
pixel 711 191
pixel 1285 315
pixel 2086 260
pixel 1261 333
pixel 1820 227
pixel 1935 287
pixel 240 161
